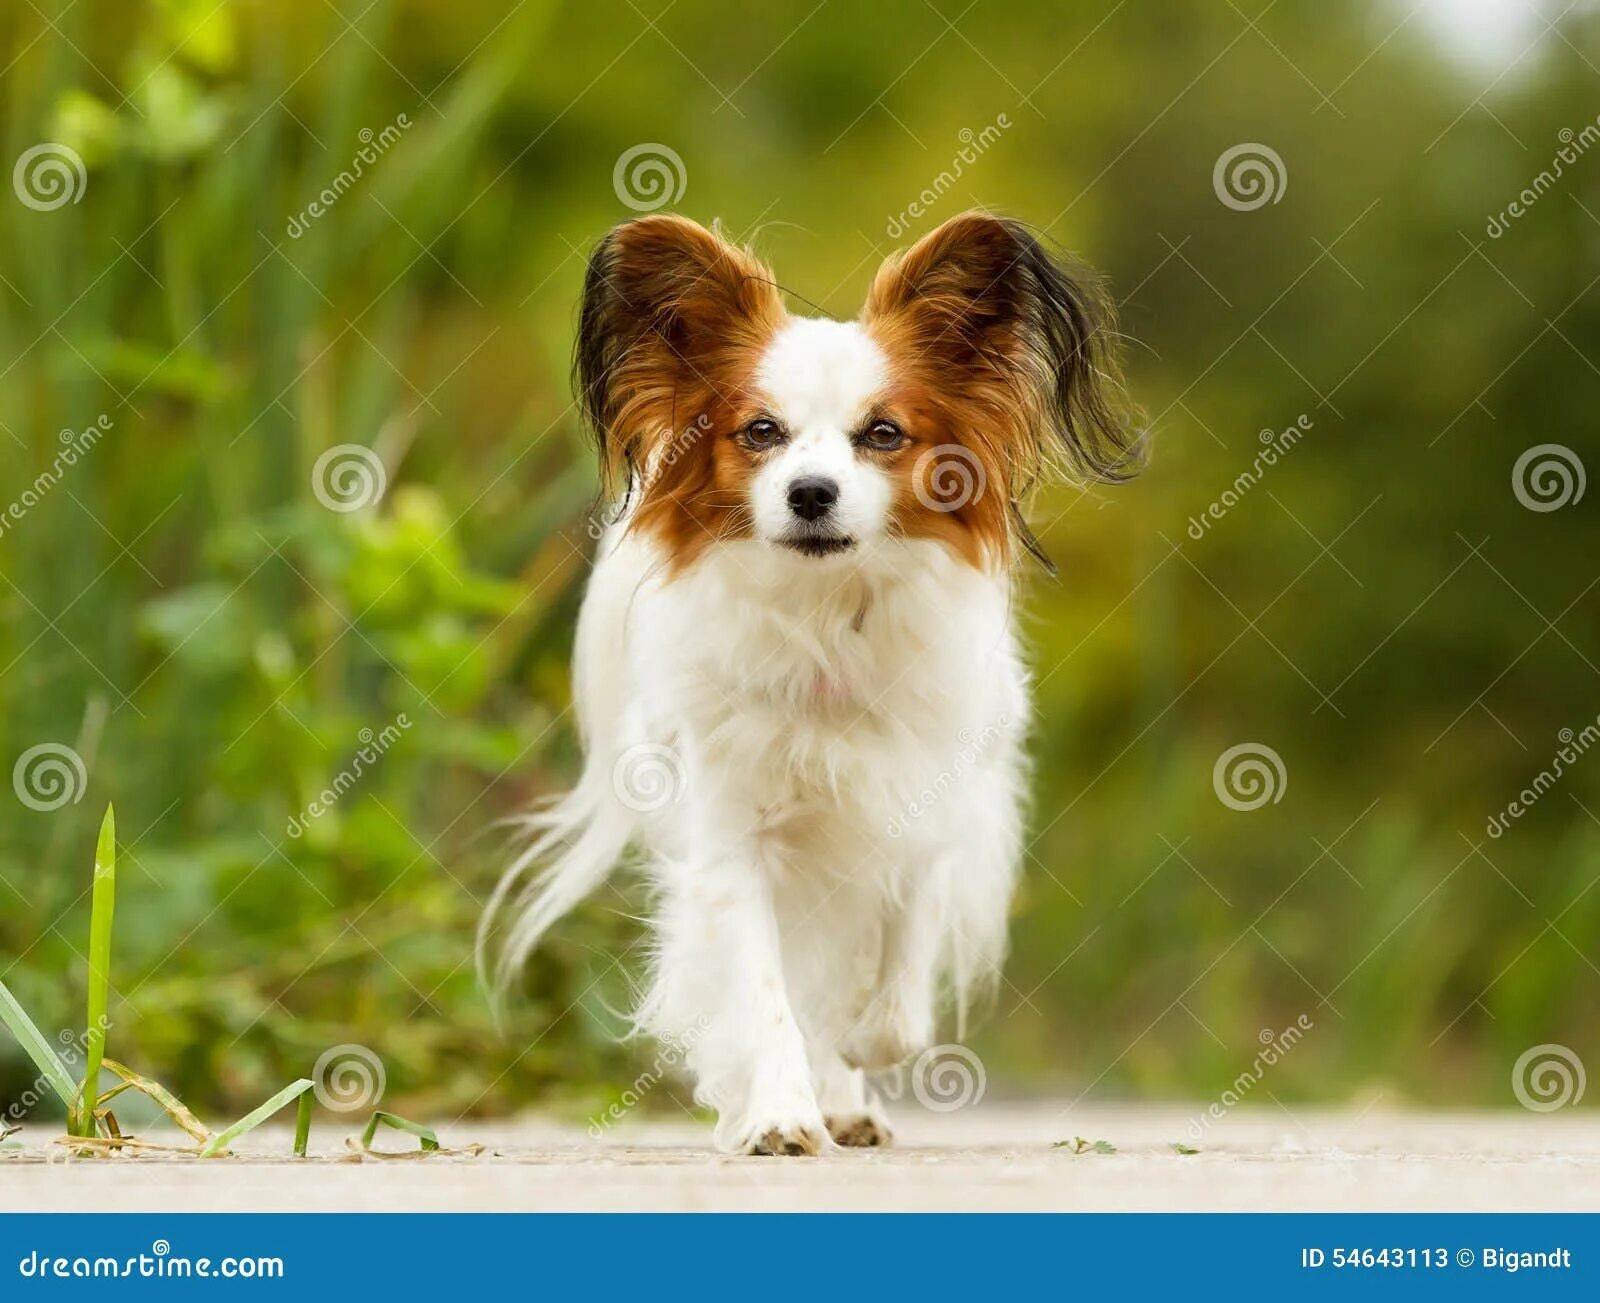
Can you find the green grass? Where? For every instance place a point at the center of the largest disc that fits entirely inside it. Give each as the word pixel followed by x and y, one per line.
pixel 1081 1145
pixel 154 1090
pixel 38 1048
pixel 218 1144
pixel 428 1140
pixel 101 913
pixel 89 1116
pixel 302 1123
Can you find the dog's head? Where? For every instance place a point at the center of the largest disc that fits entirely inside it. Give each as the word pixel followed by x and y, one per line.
pixel 978 361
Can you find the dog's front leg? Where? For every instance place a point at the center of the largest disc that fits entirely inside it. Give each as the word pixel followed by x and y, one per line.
pixel 720 987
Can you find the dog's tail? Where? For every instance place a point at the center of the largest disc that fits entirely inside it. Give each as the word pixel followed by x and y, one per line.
pixel 573 844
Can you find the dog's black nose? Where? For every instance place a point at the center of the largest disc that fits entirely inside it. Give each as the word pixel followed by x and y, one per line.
pixel 812 497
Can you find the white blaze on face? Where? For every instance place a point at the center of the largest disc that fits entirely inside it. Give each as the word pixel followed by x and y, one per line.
pixel 820 379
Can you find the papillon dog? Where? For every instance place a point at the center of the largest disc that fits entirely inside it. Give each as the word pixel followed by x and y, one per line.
pixel 797 677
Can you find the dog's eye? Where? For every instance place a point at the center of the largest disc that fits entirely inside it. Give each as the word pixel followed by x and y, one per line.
pixel 882 436
pixel 762 433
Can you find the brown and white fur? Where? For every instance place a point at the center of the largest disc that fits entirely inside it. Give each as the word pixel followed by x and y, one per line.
pixel 797 676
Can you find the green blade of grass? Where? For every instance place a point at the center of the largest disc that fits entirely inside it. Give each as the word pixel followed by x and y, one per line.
pixel 1080 1145
pixel 121 1088
pixel 102 907
pixel 169 1102
pixel 302 1124
pixel 425 1135
pixel 39 1049
pixel 250 1121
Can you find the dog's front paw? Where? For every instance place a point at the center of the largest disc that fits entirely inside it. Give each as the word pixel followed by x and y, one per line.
pixel 785 1133
pixel 866 1130
pixel 792 1139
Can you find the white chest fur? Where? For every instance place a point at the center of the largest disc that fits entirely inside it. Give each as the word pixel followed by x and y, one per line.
pixel 807 689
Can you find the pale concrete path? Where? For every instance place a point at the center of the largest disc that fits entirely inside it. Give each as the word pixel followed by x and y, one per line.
pixel 992 1157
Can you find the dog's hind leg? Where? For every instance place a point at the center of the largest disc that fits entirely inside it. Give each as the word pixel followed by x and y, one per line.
pixel 898 1018
pixel 849 1106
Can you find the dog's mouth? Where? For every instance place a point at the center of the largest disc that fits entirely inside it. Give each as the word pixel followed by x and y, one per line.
pixel 818 544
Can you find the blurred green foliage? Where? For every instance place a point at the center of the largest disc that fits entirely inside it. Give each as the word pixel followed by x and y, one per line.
pixel 1380 609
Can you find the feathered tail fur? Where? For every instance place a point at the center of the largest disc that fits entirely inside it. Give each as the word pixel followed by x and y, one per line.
pixel 573 844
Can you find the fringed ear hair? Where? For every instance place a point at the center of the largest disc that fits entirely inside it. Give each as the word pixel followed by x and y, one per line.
pixel 982 304
pixel 663 300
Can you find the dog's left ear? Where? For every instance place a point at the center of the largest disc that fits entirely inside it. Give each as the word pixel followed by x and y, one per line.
pixel 981 305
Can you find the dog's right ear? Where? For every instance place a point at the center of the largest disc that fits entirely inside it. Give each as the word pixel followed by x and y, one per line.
pixel 665 303
pixel 985 311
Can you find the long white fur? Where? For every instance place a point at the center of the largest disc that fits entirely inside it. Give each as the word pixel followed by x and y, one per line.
pixel 840 739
